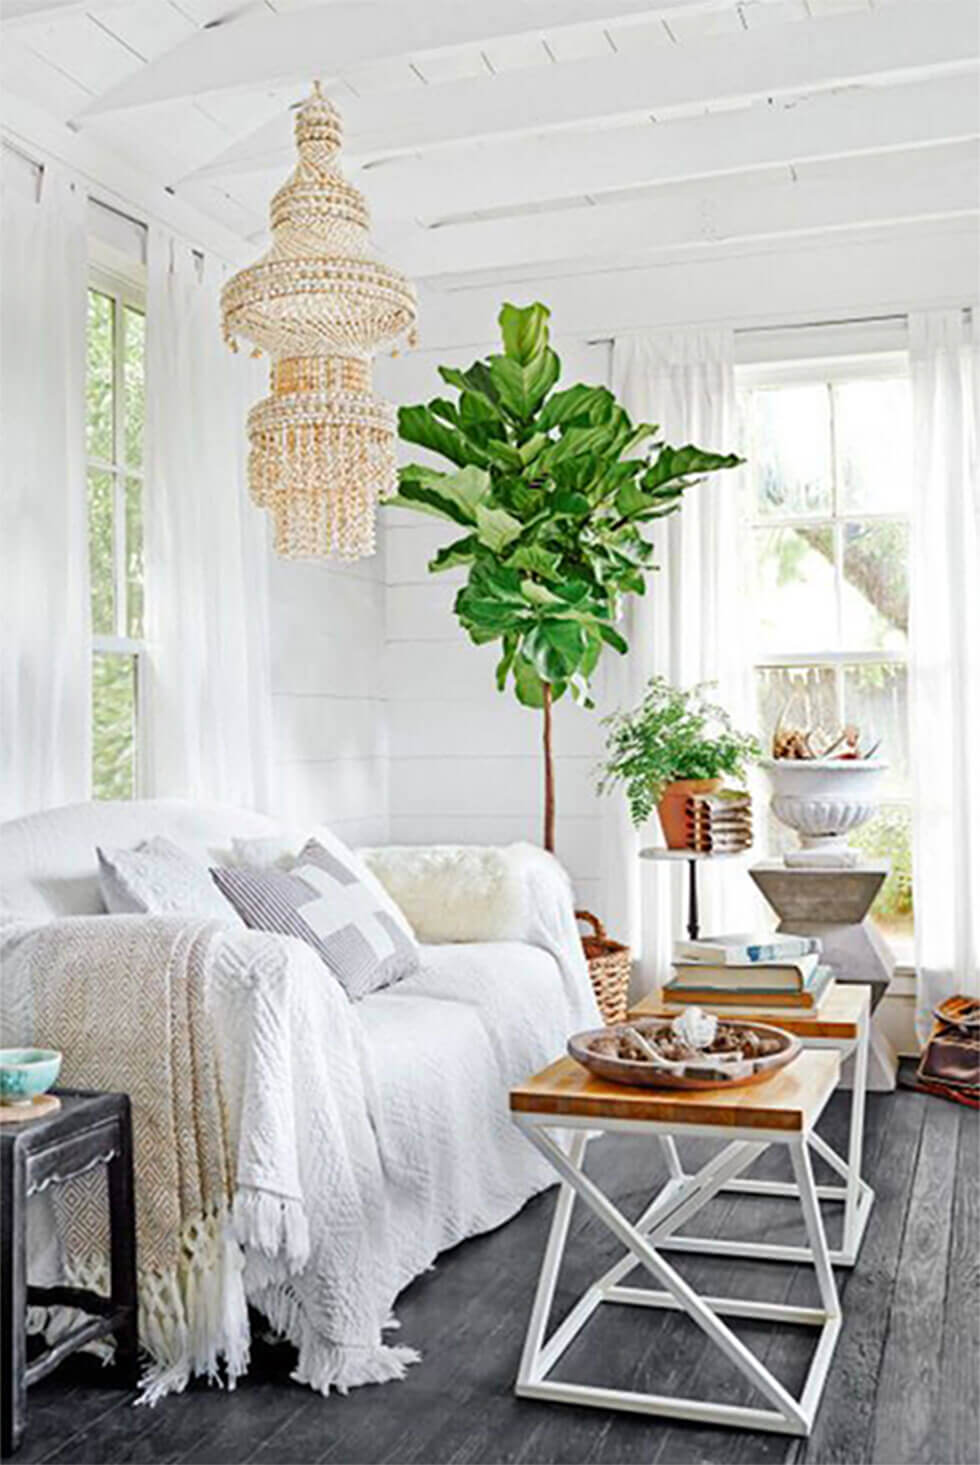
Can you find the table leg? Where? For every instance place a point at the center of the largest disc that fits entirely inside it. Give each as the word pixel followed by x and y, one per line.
pixel 788 1414
pixel 693 919
pixel 851 1238
pixel 13 1302
pixel 122 1229
pixel 551 1265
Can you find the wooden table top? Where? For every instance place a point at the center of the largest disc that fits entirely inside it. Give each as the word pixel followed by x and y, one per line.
pixel 838 1014
pixel 790 1100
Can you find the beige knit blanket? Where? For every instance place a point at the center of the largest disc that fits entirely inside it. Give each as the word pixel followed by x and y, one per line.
pixel 243 1072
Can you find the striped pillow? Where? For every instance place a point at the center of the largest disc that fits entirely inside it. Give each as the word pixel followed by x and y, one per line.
pixel 325 900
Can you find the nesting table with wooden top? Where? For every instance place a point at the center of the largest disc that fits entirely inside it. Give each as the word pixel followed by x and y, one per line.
pixel 841 1022
pixel 779 1110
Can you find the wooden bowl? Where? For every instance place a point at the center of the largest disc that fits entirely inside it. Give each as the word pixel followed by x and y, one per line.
pixel 586 1048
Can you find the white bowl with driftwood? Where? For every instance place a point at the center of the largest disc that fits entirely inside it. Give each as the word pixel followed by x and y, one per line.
pixel 824 800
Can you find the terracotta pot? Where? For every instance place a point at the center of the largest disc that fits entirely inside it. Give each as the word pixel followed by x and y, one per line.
pixel 672 807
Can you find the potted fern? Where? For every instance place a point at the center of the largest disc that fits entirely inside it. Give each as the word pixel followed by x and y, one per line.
pixel 552 493
pixel 672 745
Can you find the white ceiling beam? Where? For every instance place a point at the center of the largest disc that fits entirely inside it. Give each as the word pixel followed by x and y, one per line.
pixel 890 46
pixel 911 187
pixel 330 39
pixel 25 12
pixel 864 273
pixel 904 42
pixel 563 164
pixel 112 180
pixel 829 125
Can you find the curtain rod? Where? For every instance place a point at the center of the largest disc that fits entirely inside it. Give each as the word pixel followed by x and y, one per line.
pixel 100 193
pixel 900 317
pixel 896 318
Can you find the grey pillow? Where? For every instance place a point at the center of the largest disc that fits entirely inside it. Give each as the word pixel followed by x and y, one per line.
pixel 157 878
pixel 324 900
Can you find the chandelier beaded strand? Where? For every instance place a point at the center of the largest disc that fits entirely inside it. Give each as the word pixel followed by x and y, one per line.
pixel 319 302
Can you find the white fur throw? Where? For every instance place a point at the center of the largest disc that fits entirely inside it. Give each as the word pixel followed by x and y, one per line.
pixel 461 892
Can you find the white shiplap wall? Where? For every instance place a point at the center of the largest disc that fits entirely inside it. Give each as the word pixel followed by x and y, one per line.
pixel 465 763
pixel 327 666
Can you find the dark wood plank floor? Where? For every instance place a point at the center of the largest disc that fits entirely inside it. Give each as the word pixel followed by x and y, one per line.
pixel 903 1386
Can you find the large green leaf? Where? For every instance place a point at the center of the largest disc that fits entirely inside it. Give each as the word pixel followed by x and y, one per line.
pixel 475 379
pixel 556 648
pixel 577 441
pixel 527 683
pixel 506 662
pixel 680 462
pixel 496 528
pixel 539 594
pixel 421 426
pixel 572 405
pixel 451 495
pixel 523 387
pixel 537 561
pixel 460 552
pixel 524 330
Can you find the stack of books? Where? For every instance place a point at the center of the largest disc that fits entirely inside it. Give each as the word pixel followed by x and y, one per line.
pixel 762 973
pixel 719 823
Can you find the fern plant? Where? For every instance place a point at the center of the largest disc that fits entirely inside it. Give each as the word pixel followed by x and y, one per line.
pixel 671 735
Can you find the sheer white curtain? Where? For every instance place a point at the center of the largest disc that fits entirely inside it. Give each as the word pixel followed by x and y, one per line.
pixel 944 656
pixel 688 627
pixel 205 710
pixel 45 663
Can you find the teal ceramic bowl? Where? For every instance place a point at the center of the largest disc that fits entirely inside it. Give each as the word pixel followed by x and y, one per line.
pixel 27 1072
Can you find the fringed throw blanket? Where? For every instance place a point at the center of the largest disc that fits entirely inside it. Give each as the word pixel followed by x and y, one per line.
pixel 257 1171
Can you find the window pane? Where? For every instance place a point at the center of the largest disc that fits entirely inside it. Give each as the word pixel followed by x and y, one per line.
pixel 888 836
pixel 100 553
pixel 873 430
pixel 791 451
pixel 113 726
pixel 134 557
pixel 801 697
pixel 876 701
pixel 875 598
pixel 796 589
pixel 98 379
pixel 133 387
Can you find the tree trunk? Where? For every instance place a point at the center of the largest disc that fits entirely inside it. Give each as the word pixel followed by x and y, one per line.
pixel 549 776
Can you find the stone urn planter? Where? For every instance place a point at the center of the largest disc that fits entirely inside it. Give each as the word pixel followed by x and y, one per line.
pixel 823 800
pixel 672 807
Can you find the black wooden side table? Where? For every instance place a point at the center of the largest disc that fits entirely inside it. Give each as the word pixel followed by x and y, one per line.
pixel 89 1129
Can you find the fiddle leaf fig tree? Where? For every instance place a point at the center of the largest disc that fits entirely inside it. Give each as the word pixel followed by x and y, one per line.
pixel 552 493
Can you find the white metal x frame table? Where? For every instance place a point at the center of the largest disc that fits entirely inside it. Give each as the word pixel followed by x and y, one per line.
pixel 780 1110
pixel 841 1023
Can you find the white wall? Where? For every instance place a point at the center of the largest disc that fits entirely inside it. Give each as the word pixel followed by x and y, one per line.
pixel 327 661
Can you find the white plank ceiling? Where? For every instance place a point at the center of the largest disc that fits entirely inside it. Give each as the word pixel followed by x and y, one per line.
pixel 506 140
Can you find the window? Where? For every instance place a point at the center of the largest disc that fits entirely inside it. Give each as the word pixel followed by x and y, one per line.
pixel 115 403
pixel 830 460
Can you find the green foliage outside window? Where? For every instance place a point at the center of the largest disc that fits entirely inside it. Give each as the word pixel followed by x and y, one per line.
pixel 115 402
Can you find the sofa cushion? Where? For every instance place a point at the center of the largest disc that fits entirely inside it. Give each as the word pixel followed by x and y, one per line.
pixel 157 878
pixel 329 900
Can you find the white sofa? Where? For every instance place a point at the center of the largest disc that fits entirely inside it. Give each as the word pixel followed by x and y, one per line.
pixel 441 1048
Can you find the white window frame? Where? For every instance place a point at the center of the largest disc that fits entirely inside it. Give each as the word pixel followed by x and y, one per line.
pixel 123 292
pixel 828 370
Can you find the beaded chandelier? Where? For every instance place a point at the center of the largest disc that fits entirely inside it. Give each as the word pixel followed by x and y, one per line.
pixel 319 302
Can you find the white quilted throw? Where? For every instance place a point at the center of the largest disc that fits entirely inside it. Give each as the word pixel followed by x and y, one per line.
pixel 295 1150
pixel 257 1170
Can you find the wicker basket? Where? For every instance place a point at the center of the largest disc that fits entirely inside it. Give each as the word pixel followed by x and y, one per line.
pixel 609 969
